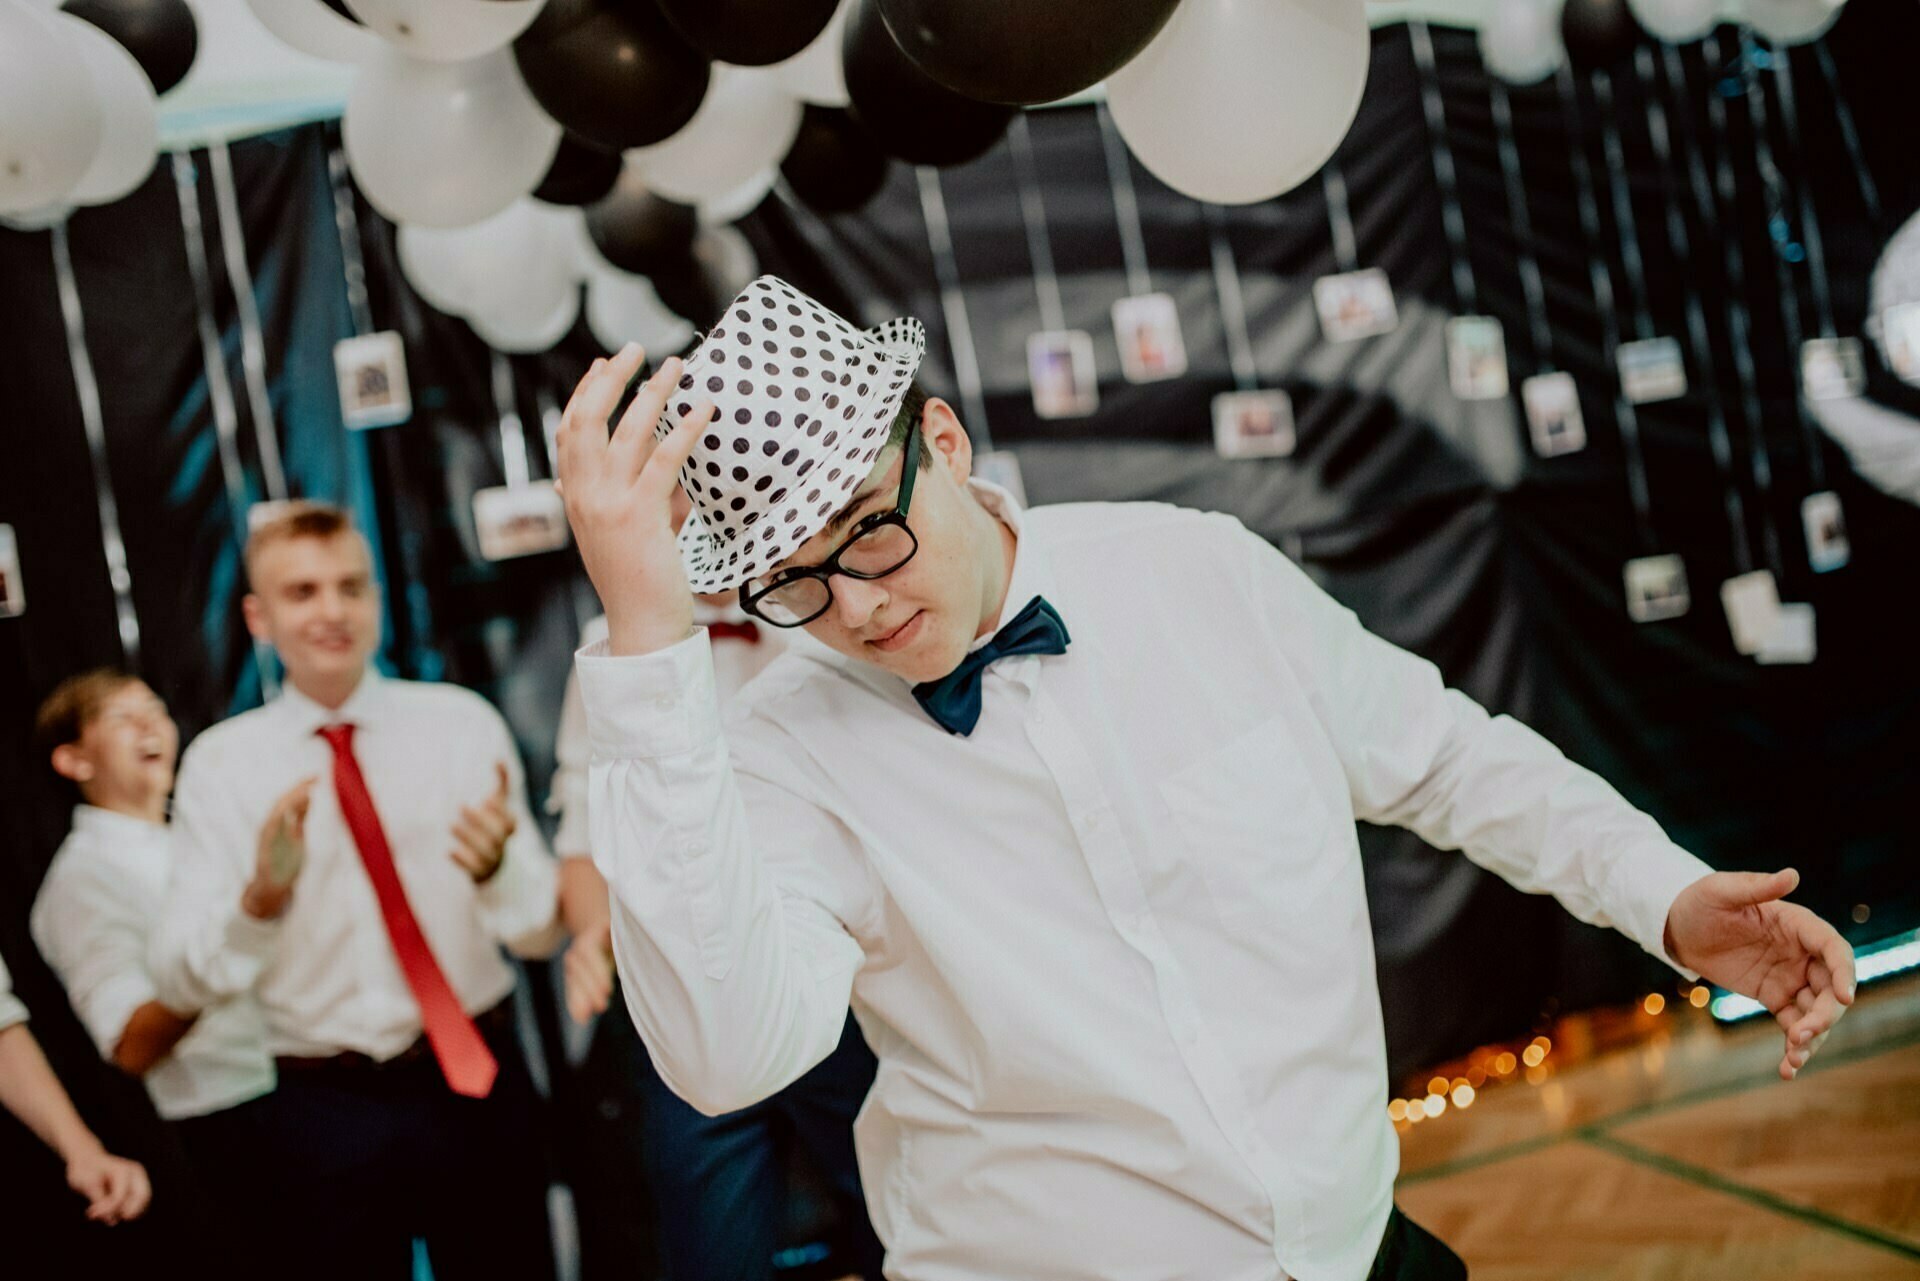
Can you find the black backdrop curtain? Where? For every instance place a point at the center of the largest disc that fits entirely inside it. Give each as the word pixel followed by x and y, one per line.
pixel 1429 516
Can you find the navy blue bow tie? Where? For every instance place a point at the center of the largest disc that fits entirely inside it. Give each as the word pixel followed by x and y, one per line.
pixel 954 700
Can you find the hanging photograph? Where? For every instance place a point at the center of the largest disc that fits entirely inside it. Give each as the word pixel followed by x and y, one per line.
pixel 1656 588
pixel 1752 602
pixel 1651 369
pixel 1355 304
pixel 372 373
pixel 1253 424
pixel 1001 467
pixel 1477 358
pixel 1832 368
pixel 1060 369
pixel 13 592
pixel 1900 339
pixel 1827 547
pixel 1792 639
pixel 1147 329
pixel 1552 402
pixel 519 520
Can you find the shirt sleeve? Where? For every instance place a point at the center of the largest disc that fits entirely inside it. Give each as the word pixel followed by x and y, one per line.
pixel 1425 757
pixel 12 1010
pixel 96 942
pixel 568 796
pixel 206 947
pixel 520 903
pixel 732 894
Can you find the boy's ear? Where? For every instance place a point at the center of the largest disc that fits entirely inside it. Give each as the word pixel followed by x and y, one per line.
pixel 70 762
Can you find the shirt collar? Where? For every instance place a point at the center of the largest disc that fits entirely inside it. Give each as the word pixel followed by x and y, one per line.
pixel 362 708
pixel 95 823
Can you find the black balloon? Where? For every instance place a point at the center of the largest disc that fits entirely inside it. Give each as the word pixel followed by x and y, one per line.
pixel 833 166
pixel 909 114
pixel 688 289
pixel 160 34
pixel 1598 33
pixel 579 175
pixel 612 71
pixel 637 231
pixel 749 33
pixel 1023 51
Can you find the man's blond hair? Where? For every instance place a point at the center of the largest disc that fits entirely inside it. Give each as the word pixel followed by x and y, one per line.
pixel 305 518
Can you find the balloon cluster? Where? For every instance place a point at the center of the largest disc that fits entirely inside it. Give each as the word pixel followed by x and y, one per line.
pixel 663 120
pixel 1525 41
pixel 79 120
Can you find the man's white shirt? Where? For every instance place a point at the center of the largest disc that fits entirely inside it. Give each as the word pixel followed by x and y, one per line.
pixel 1112 949
pixel 324 972
pixel 94 921
pixel 13 1011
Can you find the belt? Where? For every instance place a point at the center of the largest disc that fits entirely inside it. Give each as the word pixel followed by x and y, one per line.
pixel 495 1025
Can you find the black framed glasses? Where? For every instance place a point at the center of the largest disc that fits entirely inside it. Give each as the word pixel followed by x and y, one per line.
pixel 880 544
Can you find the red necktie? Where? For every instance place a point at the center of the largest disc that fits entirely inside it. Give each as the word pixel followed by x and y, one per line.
pixel 745 631
pixel 463 1055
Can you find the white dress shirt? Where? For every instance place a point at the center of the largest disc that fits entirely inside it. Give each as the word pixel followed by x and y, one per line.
pixel 1112 949
pixel 324 971
pixel 94 920
pixel 12 1010
pixel 735 662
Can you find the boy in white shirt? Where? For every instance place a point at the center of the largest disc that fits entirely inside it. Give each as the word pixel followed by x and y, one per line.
pixel 109 735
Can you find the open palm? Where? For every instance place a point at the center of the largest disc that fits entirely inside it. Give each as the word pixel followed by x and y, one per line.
pixel 1734 930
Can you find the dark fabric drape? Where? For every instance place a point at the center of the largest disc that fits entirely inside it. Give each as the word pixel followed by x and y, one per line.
pixel 1429 517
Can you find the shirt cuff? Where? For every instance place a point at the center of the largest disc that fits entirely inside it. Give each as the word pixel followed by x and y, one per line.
pixel 1652 881
pixel 12 1011
pixel 649 706
pixel 251 937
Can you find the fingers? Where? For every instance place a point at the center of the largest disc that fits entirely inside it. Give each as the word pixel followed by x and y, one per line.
pixel 1745 889
pixel 633 440
pixel 1835 957
pixel 598 394
pixel 663 469
pixel 138 1194
pixel 589 980
pixel 504 789
pixel 477 846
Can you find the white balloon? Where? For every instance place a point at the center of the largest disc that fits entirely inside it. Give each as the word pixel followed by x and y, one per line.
pixel 1675 21
pixel 815 74
pixel 129 115
pixel 1520 41
pixel 745 125
pixel 50 116
pixel 37 219
pixel 314 28
pixel 728 258
pixel 739 202
pixel 1235 102
pixel 522 337
pixel 445 144
pixel 624 308
pixel 447 30
pixel 507 271
pixel 1793 21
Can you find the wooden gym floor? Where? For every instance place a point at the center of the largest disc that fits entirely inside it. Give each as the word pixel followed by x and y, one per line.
pixel 1686 1158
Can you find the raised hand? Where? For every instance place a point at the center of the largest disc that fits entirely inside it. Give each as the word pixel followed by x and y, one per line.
pixel 480 835
pixel 281 854
pixel 620 493
pixel 1733 928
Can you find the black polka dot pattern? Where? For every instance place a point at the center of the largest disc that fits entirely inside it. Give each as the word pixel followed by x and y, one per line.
pixel 750 509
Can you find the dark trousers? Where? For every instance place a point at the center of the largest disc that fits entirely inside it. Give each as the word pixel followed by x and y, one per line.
pixel 373 1157
pixel 1408 1252
pixel 229 1194
pixel 720 1185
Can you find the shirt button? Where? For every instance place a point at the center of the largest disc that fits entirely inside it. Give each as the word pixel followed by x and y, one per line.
pixel 664 702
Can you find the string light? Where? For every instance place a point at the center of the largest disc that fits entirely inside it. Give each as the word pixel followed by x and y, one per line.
pixel 1532 1056
pixel 1700 996
pixel 1654 1003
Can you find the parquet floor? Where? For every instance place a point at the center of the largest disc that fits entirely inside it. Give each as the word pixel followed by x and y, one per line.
pixel 1685 1158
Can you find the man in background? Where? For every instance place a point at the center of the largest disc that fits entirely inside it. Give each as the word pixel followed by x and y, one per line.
pixel 404 1110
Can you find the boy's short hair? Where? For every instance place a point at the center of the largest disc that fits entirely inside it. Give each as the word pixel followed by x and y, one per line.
pixel 305 518
pixel 65 713
pixel 912 407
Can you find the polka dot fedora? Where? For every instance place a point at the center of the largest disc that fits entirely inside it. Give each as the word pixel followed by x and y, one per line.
pixel 803 404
